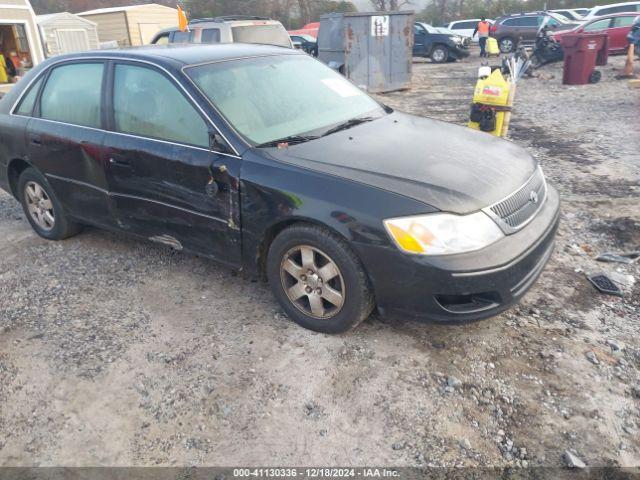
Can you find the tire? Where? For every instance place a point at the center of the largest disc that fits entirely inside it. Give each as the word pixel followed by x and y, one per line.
pixel 507 45
pixel 304 292
pixel 439 54
pixel 42 208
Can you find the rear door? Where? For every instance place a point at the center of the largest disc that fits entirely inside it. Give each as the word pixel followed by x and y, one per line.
pixel 166 182
pixel 65 138
pixel 618 31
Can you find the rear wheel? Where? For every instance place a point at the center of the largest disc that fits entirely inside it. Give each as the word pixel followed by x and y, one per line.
pixel 42 208
pixel 318 280
pixel 507 45
pixel 439 54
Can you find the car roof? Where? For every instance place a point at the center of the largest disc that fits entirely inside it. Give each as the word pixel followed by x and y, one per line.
pixel 621 4
pixel 187 54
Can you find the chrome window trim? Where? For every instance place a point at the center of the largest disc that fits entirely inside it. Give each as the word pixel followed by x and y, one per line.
pixel 135 197
pixel 508 229
pixel 134 60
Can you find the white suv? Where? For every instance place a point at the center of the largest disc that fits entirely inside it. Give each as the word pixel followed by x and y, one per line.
pixel 602 10
pixel 229 29
pixel 465 28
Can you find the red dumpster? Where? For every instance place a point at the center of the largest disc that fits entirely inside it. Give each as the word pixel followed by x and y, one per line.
pixel 581 54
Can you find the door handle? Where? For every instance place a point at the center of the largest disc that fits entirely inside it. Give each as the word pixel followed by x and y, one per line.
pixel 119 161
pixel 35 140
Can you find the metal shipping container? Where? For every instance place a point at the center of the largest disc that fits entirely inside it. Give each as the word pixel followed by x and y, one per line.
pixel 374 50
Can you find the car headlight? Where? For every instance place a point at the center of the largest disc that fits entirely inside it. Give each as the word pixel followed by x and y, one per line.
pixel 443 233
pixel 455 39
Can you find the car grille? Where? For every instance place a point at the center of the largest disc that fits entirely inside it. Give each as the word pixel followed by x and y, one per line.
pixel 521 206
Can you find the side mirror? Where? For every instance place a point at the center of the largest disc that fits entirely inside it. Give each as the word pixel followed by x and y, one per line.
pixel 218 144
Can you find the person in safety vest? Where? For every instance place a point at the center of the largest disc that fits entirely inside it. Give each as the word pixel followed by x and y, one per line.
pixel 482 29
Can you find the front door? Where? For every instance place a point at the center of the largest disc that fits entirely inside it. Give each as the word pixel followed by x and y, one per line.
pixel 165 181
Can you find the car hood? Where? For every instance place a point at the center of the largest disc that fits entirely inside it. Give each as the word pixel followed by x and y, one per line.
pixel 449 167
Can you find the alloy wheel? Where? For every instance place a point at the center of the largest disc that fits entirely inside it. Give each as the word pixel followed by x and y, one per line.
pixel 39 206
pixel 312 281
pixel 506 45
pixel 438 55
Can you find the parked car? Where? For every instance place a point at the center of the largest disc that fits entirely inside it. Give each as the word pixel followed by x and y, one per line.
pixel 570 14
pixel 306 43
pixel 465 28
pixel 267 160
pixel 228 29
pixel 617 26
pixel 510 29
pixel 438 45
pixel 309 29
pixel 603 10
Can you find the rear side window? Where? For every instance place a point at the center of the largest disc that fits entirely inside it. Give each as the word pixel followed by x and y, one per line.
pixel 29 100
pixel 262 34
pixel 210 35
pixel 623 21
pixel 466 25
pixel 148 104
pixel 72 94
pixel 620 9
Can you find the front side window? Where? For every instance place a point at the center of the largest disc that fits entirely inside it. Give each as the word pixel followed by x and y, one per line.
pixel 73 93
pixel 511 22
pixel 162 40
pixel 29 100
pixel 597 26
pixel 148 104
pixel 274 97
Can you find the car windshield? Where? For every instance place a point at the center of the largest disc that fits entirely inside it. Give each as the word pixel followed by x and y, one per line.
pixel 262 34
pixel 275 97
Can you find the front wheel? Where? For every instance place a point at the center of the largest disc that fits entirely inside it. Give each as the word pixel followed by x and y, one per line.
pixel 439 54
pixel 318 280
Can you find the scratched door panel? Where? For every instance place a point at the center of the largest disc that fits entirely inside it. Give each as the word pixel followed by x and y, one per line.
pixel 163 192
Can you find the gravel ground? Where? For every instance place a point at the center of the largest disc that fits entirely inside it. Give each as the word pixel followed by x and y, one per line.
pixel 117 352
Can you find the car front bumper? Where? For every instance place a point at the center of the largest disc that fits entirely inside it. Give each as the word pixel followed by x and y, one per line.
pixel 464 287
pixel 461 51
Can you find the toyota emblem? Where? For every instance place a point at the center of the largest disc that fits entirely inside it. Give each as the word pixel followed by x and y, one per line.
pixel 533 196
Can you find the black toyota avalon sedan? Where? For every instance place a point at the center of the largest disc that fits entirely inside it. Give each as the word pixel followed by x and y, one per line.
pixel 267 160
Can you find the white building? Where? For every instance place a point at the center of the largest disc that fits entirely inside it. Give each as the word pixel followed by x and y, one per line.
pixel 67 33
pixel 19 36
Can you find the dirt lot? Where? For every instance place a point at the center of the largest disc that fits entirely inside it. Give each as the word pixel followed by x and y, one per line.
pixel 117 352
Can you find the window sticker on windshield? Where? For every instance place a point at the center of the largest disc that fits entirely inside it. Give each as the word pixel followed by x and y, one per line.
pixel 341 87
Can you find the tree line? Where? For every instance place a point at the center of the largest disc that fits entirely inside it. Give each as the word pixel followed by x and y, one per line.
pixel 295 13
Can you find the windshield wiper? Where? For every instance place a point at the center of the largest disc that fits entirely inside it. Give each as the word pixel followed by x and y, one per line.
pixel 348 124
pixel 290 140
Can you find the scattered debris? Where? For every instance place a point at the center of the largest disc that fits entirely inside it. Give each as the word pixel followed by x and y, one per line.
pixel 593 358
pixel 453 382
pixel 572 461
pixel 627 257
pixel 605 285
